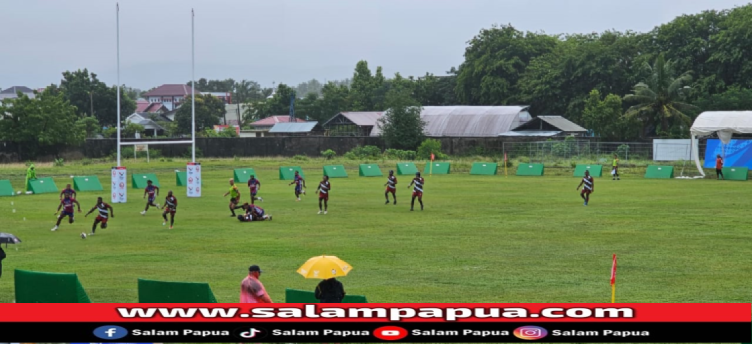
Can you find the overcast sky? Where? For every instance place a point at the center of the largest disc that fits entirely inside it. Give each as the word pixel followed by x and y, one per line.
pixel 284 40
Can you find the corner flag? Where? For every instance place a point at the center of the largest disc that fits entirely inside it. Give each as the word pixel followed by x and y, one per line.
pixel 613 280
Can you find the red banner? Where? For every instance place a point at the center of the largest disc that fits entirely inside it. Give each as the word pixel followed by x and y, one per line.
pixel 375 312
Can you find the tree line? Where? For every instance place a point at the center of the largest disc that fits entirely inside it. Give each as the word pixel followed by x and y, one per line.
pixel 622 85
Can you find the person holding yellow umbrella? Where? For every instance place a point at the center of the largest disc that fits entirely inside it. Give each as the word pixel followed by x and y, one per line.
pixel 330 290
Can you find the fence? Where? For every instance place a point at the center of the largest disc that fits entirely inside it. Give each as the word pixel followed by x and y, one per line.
pixel 591 152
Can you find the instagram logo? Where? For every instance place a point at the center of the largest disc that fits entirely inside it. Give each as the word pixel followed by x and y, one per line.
pixel 530 332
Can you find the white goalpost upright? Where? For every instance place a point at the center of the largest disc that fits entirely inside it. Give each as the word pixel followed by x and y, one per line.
pixel 119 180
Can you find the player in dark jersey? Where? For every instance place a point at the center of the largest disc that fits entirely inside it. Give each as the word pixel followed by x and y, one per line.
pixel 299 185
pixel 153 192
pixel 589 187
pixel 253 213
pixel 391 186
pixel 170 207
pixel 323 191
pixel 105 211
pixel 418 181
pixel 68 191
pixel 67 205
pixel 255 186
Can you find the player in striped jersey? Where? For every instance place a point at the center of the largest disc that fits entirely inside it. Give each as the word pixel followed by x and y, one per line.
pixel 67 205
pixel 170 206
pixel 391 186
pixel 323 190
pixel 418 181
pixel 68 191
pixel 105 211
pixel 153 192
pixel 589 187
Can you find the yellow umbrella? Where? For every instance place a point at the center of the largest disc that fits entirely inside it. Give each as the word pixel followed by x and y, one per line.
pixel 324 267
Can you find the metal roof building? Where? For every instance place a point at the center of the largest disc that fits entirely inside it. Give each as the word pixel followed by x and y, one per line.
pixel 295 129
pixel 470 121
pixel 352 123
pixel 547 126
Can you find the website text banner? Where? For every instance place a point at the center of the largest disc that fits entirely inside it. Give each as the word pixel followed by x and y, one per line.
pixel 375 312
pixel 364 332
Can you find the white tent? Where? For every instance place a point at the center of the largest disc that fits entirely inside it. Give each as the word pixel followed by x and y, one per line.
pixel 723 123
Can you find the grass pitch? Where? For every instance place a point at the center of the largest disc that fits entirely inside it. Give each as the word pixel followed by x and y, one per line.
pixel 480 238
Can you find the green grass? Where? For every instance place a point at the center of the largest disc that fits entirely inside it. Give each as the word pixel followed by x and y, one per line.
pixel 480 238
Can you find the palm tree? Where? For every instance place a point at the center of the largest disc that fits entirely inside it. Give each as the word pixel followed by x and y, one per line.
pixel 661 98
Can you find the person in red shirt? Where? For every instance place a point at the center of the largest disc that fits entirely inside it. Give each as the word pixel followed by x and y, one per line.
pixel 323 190
pixel 251 289
pixel 719 167
pixel 418 181
pixel 391 186
pixel 105 211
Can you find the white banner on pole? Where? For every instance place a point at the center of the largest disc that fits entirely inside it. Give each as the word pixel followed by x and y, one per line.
pixel 193 176
pixel 119 185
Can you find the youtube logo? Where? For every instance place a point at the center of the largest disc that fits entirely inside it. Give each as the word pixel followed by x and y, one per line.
pixel 390 333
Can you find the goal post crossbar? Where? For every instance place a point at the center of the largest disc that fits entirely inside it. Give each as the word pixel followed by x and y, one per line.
pixel 138 143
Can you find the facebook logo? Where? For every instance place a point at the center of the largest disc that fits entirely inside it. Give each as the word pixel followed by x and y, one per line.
pixel 110 332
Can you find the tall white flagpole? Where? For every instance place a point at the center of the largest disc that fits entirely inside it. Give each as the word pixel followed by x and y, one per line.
pixel 193 89
pixel 117 15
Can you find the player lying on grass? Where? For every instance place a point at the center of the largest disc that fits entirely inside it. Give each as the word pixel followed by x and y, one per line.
pixel 170 207
pixel 67 204
pixel 253 213
pixel 153 192
pixel 105 211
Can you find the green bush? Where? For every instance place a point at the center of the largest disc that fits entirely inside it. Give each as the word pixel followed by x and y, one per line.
pixel 86 161
pixel 187 154
pixel 364 152
pixel 59 162
pixel 431 146
pixel 400 154
pixel 300 158
pixel 329 154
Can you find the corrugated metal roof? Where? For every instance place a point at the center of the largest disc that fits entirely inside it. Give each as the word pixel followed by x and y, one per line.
pixel 362 119
pixel 304 127
pixel 272 120
pixel 170 90
pixel 477 121
pixel 562 123
pixel 530 133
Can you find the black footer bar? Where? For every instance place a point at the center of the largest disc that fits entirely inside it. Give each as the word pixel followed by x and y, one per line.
pixel 340 332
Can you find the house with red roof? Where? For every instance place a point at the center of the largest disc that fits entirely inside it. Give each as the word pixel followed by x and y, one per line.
pixel 269 122
pixel 170 95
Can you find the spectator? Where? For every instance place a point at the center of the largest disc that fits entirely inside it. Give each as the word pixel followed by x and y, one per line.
pixel 30 175
pixel 251 289
pixel 719 167
pixel 330 291
pixel 2 256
